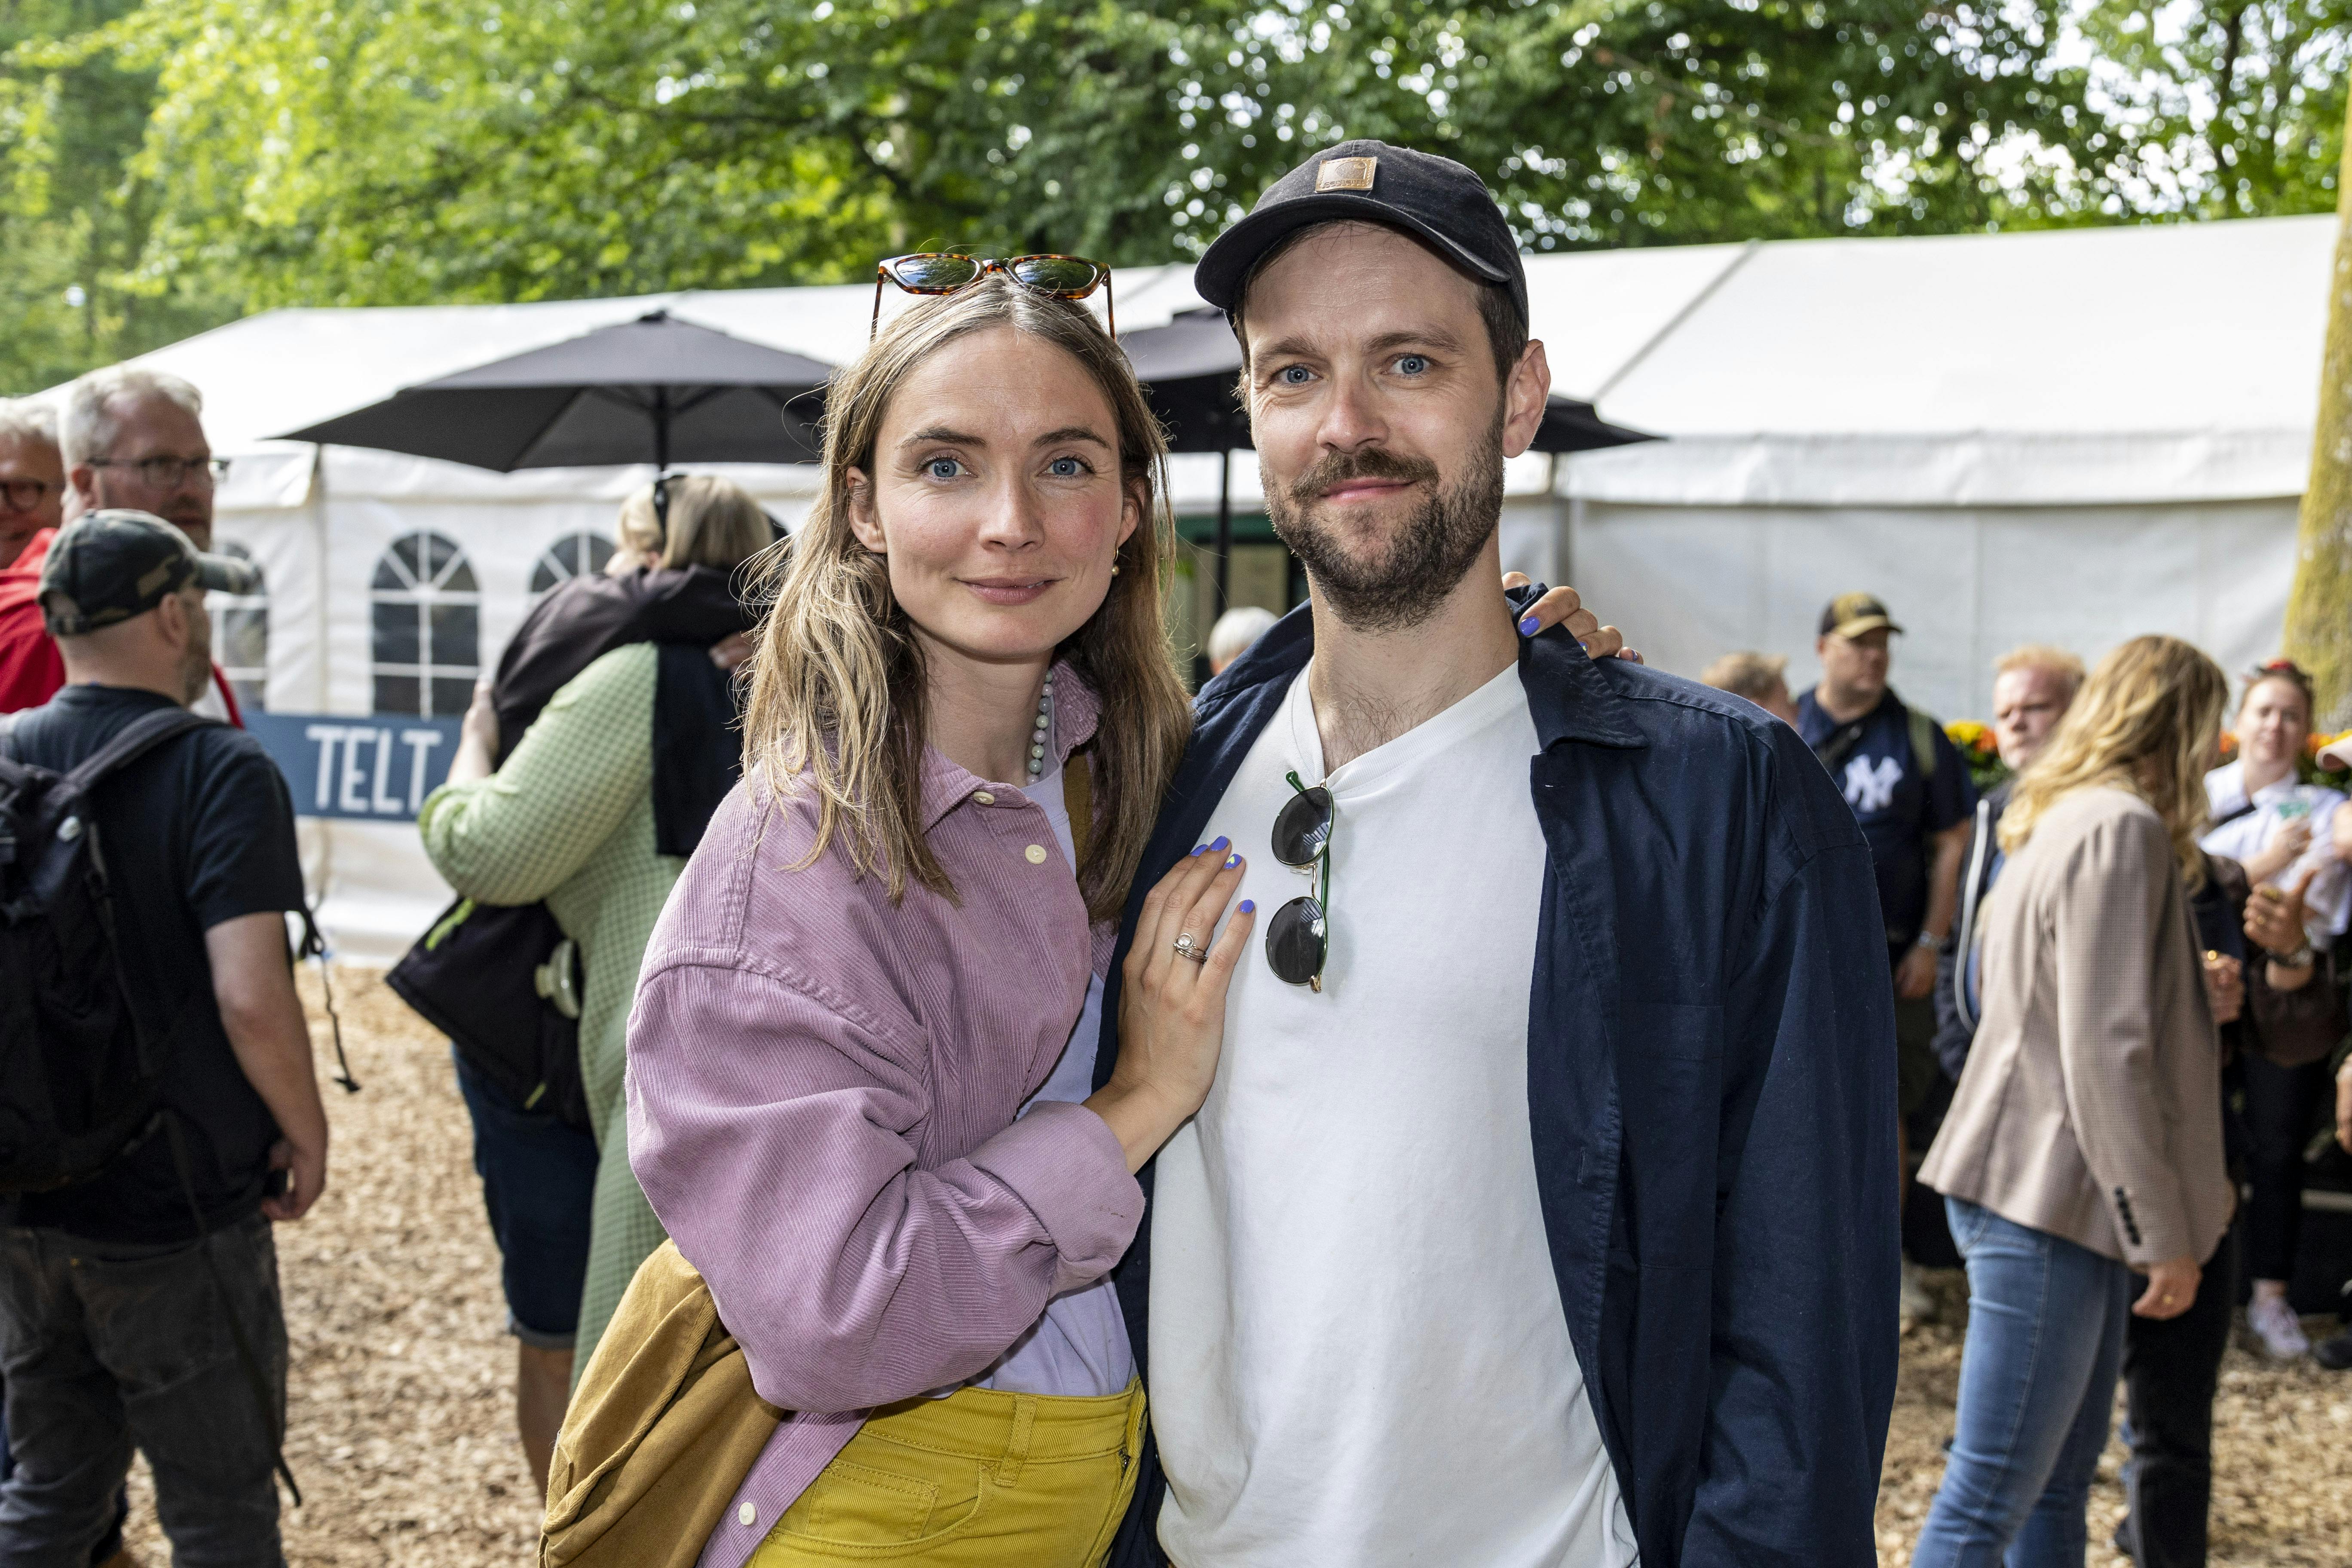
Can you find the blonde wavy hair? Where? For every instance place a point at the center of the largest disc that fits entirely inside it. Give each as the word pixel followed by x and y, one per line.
pixel 2147 720
pixel 838 695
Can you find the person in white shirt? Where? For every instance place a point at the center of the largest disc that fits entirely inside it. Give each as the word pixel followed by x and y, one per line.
pixel 2283 831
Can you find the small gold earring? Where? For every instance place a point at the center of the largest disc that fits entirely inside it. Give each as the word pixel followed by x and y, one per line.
pixel 1114 568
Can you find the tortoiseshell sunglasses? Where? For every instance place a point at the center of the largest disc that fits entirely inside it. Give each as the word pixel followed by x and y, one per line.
pixel 946 272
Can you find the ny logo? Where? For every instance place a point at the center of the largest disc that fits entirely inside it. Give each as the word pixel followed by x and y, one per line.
pixel 1869 788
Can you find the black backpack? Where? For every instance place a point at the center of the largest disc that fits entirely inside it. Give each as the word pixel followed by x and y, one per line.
pixel 80 1079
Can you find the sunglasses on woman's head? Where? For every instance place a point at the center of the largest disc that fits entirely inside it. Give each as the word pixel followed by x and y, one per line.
pixel 948 272
pixel 1299 938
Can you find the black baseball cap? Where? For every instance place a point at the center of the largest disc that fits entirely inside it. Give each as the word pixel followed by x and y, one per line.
pixel 108 567
pixel 1436 200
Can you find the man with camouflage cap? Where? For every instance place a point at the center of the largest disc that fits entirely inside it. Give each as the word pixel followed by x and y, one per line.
pixel 118 1326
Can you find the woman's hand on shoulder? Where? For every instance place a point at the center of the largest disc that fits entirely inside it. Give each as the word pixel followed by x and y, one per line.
pixel 1562 606
pixel 1171 1007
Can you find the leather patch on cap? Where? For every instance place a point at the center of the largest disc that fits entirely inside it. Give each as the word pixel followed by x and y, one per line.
pixel 1346 173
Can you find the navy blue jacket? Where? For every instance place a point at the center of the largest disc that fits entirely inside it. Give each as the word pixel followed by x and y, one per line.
pixel 1711 1089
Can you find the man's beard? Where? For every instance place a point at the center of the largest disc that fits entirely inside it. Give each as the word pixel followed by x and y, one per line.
pixel 1408 576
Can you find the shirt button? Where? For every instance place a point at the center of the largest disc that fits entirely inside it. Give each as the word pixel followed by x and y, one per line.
pixel 1037 854
pixel 749 1515
pixel 982 797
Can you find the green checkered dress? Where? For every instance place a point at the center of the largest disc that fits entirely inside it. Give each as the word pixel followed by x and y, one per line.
pixel 569 819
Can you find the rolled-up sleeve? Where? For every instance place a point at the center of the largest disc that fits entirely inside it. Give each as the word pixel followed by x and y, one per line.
pixel 770 1125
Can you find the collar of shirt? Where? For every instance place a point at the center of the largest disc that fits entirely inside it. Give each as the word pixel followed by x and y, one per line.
pixel 1076 709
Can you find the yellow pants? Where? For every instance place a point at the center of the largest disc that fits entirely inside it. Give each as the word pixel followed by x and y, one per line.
pixel 978 1480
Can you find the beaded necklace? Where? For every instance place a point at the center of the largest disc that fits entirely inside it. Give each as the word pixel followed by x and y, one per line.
pixel 1044 725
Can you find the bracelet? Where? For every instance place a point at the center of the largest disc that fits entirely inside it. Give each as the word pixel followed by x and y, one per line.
pixel 1928 940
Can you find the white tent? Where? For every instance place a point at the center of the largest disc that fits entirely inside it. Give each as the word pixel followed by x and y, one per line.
pixel 2070 437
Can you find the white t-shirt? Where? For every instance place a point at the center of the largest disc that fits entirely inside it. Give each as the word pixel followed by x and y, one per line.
pixel 1357 1350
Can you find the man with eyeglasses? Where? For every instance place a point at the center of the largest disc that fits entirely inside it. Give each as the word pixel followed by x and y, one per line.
pixel 1542 1212
pixel 32 476
pixel 131 439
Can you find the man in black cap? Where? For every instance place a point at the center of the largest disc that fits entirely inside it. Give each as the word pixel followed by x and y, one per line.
pixel 1542 1212
pixel 1911 792
pixel 117 1327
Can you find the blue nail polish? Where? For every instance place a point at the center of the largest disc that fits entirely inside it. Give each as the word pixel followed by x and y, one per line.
pixel 1528 626
pixel 1220 842
pixel 1585 646
pixel 1197 848
pixel 1232 861
pixel 1249 906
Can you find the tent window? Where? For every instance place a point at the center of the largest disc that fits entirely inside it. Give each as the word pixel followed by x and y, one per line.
pixel 574 555
pixel 241 633
pixel 428 627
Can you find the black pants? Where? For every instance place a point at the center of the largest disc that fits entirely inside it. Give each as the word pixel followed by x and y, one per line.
pixel 2171 1369
pixel 105 1348
pixel 2282 1104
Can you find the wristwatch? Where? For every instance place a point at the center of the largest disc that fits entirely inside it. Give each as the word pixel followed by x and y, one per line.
pixel 1928 939
pixel 2300 958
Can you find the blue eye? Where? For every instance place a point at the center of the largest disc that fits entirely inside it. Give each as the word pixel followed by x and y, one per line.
pixel 1066 467
pixel 944 468
pixel 1293 376
pixel 1413 364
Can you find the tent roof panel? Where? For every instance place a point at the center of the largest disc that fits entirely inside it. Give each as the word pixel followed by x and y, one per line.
pixel 2179 327
pixel 1779 365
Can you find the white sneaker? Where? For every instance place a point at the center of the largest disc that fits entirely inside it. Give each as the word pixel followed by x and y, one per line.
pixel 1917 1303
pixel 2275 1324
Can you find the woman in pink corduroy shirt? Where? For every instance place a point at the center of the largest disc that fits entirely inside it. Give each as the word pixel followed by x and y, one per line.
pixel 861 1059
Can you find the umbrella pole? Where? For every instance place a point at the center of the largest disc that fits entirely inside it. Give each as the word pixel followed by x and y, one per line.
pixel 1224 530
pixel 661 431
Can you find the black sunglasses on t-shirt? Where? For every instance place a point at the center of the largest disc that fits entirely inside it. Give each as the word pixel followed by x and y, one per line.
pixel 1298 941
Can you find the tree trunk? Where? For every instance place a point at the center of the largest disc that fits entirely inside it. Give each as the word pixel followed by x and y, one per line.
pixel 2319 609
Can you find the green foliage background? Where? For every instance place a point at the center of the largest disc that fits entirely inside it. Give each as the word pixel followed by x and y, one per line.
pixel 174 163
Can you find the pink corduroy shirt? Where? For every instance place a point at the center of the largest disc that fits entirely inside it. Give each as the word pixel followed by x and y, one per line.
pixel 822 1091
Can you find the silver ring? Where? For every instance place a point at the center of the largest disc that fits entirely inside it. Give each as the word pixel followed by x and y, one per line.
pixel 1184 948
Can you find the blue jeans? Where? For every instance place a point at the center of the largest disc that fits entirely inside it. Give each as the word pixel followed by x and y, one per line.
pixel 2045 1342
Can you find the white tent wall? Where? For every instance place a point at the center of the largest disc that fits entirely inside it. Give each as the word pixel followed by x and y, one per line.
pixel 1965 585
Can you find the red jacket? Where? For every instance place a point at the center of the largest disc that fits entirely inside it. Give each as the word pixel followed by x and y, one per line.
pixel 30 671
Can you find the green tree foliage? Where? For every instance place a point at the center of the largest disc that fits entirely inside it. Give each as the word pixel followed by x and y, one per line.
pixel 75 284
pixel 2228 109
pixel 246 154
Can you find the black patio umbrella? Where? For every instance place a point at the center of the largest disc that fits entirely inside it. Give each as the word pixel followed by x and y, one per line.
pixel 1188 368
pixel 656 390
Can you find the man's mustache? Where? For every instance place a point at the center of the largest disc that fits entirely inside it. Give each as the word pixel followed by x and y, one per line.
pixel 1338 468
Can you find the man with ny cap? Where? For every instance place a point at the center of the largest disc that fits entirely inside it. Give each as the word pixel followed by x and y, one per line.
pixel 1910 790
pixel 1542 1213
pixel 118 1327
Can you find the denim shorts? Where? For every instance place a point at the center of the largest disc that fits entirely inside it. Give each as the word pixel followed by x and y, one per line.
pixel 538 1183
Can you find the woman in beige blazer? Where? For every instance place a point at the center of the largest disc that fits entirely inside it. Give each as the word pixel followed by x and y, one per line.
pixel 2084 1143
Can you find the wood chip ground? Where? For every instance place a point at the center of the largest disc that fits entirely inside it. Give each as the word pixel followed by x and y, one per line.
pixel 403 1387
